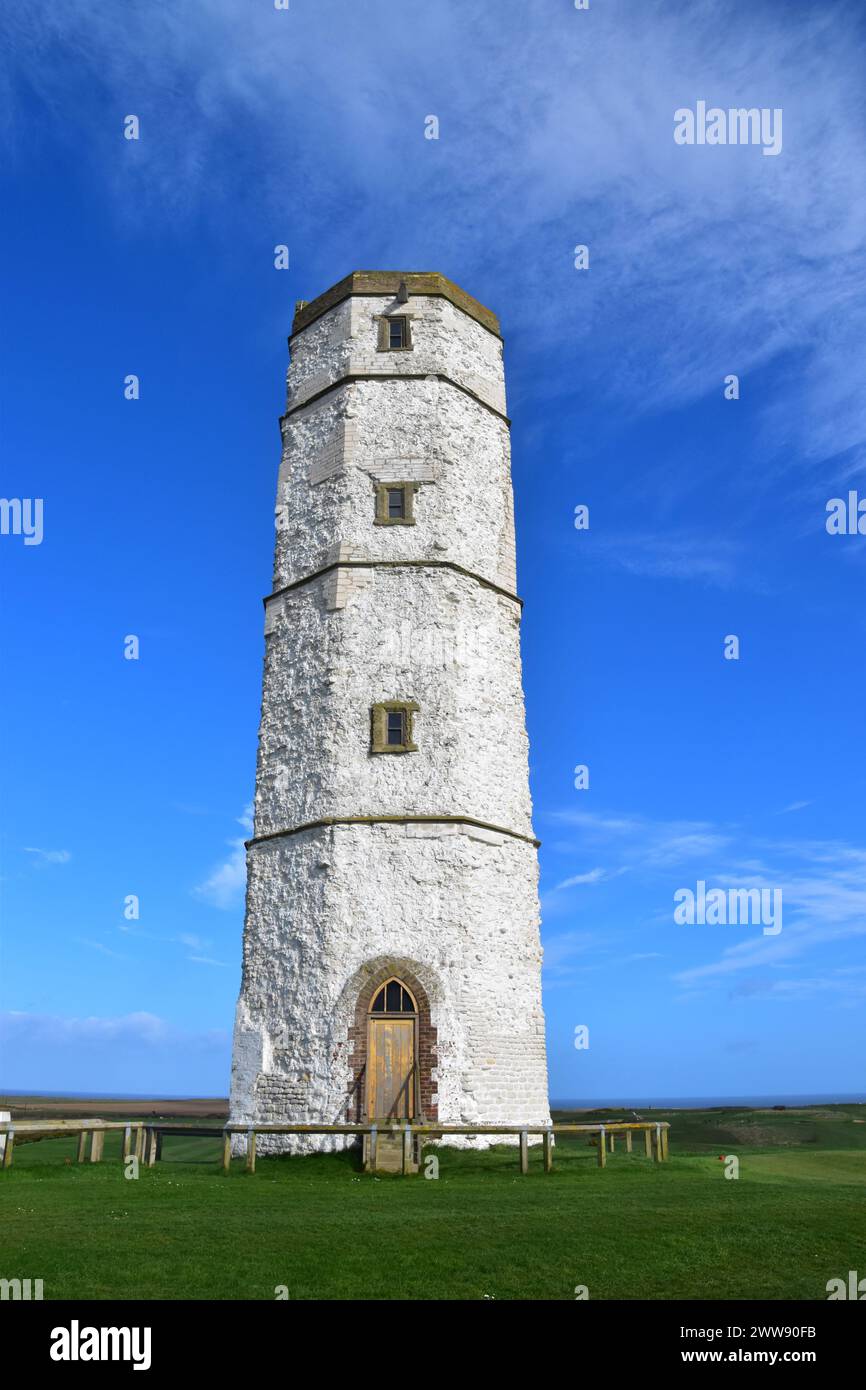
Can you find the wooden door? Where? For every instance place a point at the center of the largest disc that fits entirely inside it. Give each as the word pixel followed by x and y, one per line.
pixel 391 1069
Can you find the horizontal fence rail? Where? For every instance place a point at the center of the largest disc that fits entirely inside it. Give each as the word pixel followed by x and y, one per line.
pixel 29 1131
pixel 144 1140
pixel 655 1137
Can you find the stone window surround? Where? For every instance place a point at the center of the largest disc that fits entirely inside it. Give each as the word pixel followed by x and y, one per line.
pixel 381 490
pixel 384 321
pixel 379 726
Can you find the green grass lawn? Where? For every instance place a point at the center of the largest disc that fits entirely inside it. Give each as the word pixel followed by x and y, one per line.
pixel 795 1218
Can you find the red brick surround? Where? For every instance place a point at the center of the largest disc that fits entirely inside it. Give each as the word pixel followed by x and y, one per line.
pixel 427 1055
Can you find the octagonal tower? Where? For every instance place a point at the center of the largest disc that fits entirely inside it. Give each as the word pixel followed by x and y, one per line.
pixel 391 946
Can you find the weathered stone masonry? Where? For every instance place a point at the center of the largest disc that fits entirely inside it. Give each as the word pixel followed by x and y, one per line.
pixel 420 865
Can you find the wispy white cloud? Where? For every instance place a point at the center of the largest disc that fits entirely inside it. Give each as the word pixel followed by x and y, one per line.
pixel 99 946
pixel 742 258
pixel 142 1029
pixel 48 856
pixel 195 943
pixel 822 885
pixel 844 991
pixel 641 840
pixel 821 907
pixel 592 876
pixel 561 951
pixel 715 559
pixel 569 955
pixel 557 900
pixel 138 1052
pixel 224 886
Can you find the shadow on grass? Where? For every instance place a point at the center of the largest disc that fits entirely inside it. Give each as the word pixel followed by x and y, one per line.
pixel 437 1160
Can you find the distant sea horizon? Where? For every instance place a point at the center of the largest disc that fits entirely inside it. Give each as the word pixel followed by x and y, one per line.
pixel 573 1103
pixel 710 1102
pixel 105 1095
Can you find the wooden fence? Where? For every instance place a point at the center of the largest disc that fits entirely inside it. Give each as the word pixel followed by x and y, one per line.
pixel 655 1138
pixel 135 1136
pixel 145 1140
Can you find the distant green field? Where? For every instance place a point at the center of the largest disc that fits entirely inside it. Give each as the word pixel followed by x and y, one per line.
pixel 795 1218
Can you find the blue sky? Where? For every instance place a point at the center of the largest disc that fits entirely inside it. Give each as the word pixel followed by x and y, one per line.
pixel 707 516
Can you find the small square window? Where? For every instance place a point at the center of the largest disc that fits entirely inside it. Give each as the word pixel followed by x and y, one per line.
pixel 395 333
pixel 395 504
pixel 391 727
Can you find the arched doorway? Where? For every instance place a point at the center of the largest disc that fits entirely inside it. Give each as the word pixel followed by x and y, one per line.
pixel 392 1050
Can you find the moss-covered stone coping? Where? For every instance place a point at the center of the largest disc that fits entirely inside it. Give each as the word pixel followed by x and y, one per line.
pixel 379 282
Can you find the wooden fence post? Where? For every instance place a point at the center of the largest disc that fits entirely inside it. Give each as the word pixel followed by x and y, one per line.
pixel 547 1149
pixel 612 1143
pixel 251 1151
pixel 648 1143
pixel 151 1148
pixel 407 1151
pixel 227 1152
pixel 602 1148
pixel 82 1146
pixel 139 1143
pixel 374 1136
pixel 96 1146
pixel 657 1144
pixel 7 1150
pixel 628 1141
pixel 127 1141
pixel 524 1151
pixel 665 1136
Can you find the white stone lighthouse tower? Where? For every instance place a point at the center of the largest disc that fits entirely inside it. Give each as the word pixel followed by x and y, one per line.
pixel 392 958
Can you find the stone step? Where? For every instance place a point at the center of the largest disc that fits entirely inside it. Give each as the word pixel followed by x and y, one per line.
pixel 389 1154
